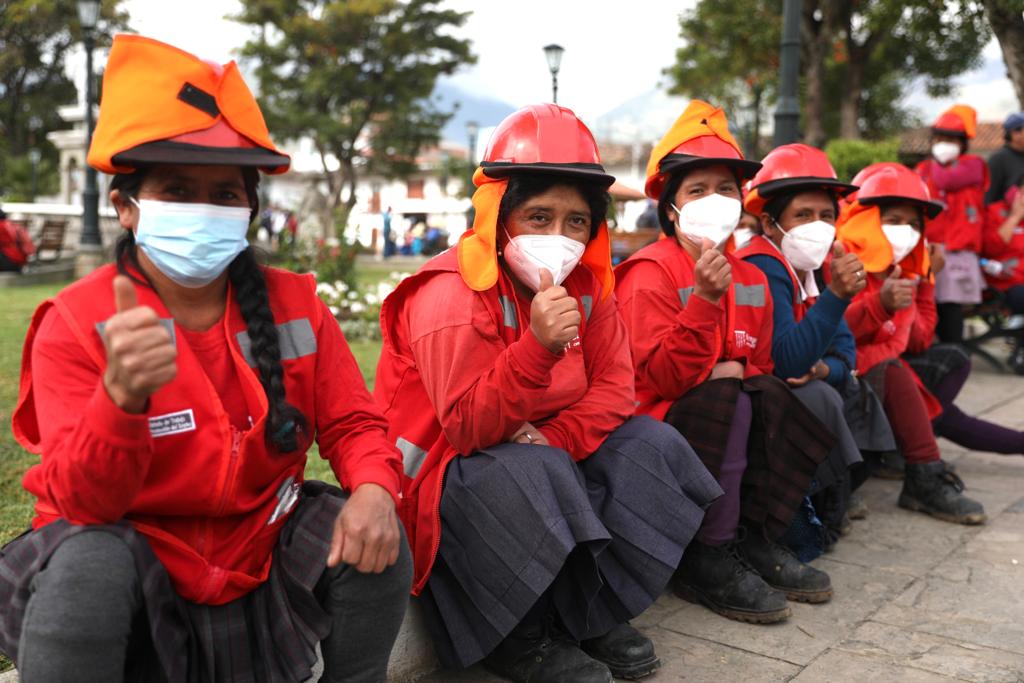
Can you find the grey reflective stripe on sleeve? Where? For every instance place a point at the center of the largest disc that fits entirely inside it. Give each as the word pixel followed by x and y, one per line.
pixel 588 305
pixel 684 294
pixel 508 309
pixel 412 457
pixel 295 338
pixel 168 324
pixel 750 295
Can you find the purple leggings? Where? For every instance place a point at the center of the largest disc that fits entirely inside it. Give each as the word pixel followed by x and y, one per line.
pixel 723 516
pixel 964 430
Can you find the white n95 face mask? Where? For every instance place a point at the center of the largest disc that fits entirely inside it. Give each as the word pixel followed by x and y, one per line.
pixel 902 238
pixel 527 254
pixel 741 237
pixel 191 244
pixel 806 246
pixel 713 217
pixel 945 152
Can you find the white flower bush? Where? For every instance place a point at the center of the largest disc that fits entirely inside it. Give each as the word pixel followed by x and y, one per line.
pixel 358 309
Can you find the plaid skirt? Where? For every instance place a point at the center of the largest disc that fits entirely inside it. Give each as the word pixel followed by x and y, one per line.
pixel 787 444
pixel 269 635
pixel 601 537
pixel 936 363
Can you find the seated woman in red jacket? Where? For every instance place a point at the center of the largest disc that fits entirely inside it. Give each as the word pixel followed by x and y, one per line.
pixel 895 315
pixel 700 327
pixel 1004 251
pixel 172 396
pixel 542 516
pixel 959 181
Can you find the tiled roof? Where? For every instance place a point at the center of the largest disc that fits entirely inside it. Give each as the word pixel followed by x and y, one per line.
pixel 918 141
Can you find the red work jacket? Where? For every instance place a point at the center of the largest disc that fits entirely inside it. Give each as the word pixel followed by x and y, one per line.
pixel 210 500
pixel 678 338
pixel 959 227
pixel 461 370
pixel 1010 254
pixel 882 336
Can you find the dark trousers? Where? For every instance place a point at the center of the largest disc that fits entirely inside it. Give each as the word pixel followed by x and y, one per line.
pixel 86 607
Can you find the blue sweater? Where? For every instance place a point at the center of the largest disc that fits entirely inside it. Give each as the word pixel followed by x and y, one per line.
pixel 821 335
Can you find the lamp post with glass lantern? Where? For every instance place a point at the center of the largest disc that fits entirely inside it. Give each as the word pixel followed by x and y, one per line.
pixel 90 245
pixel 554 56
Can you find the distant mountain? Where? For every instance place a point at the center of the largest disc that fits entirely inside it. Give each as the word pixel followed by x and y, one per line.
pixel 486 111
pixel 643 118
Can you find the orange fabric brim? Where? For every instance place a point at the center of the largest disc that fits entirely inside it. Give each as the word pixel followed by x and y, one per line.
pixel 477 249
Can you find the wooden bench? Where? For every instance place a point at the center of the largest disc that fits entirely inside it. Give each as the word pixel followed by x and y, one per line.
pixel 993 312
pixel 51 239
pixel 625 244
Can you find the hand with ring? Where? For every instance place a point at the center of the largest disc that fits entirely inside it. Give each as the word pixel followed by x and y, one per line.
pixel 847 273
pixel 530 435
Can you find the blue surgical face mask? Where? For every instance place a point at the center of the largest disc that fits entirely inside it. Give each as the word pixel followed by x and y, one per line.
pixel 191 244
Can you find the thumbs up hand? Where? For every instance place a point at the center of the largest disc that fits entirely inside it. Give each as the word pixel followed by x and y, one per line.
pixel 712 273
pixel 847 273
pixel 140 354
pixel 554 315
pixel 897 292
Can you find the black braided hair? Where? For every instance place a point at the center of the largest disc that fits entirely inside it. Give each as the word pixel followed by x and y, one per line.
pixel 284 421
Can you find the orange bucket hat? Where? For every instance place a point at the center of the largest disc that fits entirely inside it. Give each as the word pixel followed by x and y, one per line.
pixel 163 105
pixel 538 139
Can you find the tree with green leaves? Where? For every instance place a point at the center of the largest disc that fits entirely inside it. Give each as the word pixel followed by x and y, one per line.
pixel 36 37
pixel 1006 17
pixel 730 57
pixel 355 78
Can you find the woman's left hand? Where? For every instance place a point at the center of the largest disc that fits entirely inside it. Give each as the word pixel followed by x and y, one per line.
pixel 366 533
pixel 818 371
pixel 530 435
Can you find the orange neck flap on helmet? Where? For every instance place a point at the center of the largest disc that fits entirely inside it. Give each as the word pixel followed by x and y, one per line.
pixel 699 119
pixel 859 228
pixel 478 247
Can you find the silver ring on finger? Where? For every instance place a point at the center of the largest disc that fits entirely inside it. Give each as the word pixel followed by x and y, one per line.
pixel 529 436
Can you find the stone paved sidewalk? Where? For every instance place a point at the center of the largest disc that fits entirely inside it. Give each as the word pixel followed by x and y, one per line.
pixel 916 599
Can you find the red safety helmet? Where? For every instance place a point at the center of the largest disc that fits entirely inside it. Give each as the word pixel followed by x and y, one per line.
pixel 543 138
pixel 888 182
pixel 959 121
pixel 793 168
pixel 700 137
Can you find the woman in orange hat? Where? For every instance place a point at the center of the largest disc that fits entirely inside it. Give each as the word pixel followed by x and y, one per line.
pixel 958 180
pixel 895 315
pixel 542 517
pixel 700 328
pixel 173 396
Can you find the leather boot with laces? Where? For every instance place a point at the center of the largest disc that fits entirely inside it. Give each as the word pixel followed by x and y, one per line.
pixel 543 653
pixel 780 568
pixel 627 652
pixel 933 488
pixel 720 579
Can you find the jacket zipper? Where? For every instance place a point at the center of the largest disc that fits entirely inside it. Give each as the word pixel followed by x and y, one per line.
pixel 229 483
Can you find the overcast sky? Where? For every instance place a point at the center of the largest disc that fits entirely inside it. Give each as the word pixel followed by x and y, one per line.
pixel 613 50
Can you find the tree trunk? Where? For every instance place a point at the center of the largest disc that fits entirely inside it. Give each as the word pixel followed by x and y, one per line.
pixel 755 133
pixel 1008 26
pixel 849 102
pixel 815 37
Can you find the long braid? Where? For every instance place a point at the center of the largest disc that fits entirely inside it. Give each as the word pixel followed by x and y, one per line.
pixel 284 421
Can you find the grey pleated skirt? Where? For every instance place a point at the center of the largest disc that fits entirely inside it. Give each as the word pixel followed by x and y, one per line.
pixel 827 405
pixel 603 535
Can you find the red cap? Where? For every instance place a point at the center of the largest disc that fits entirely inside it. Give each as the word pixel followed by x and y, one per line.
pixel 888 182
pixel 960 120
pixel 543 138
pixel 792 168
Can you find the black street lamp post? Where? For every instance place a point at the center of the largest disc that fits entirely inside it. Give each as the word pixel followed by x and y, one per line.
pixel 787 114
pixel 90 243
pixel 554 55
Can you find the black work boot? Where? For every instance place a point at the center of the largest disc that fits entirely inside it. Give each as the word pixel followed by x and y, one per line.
pixel 627 652
pixel 542 653
pixel 780 568
pixel 933 488
pixel 721 580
